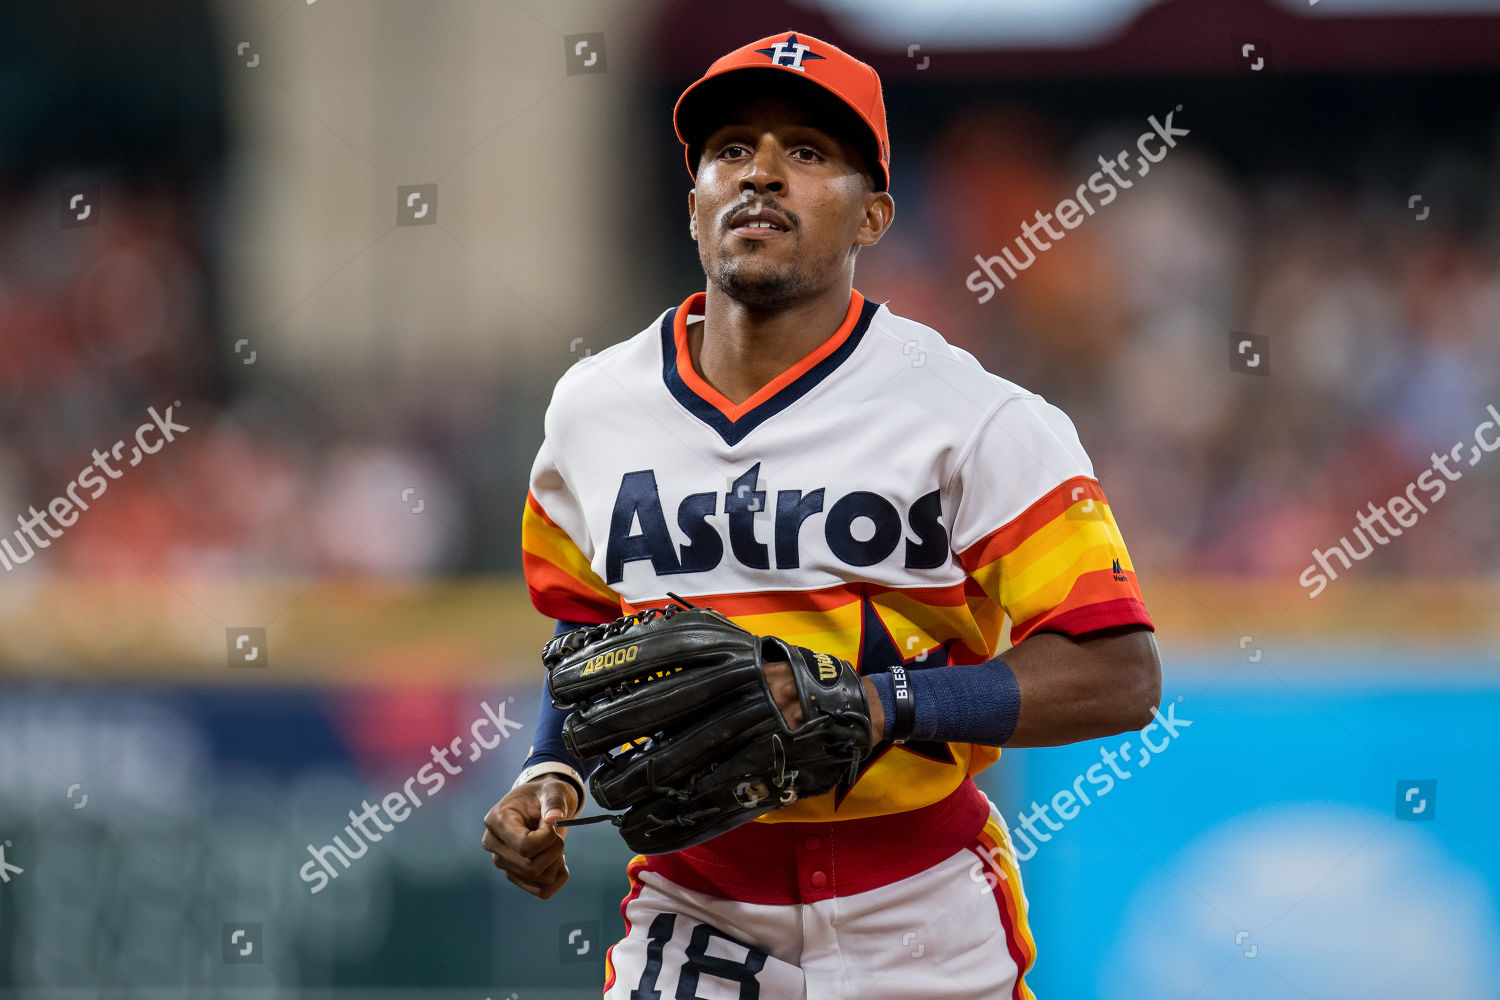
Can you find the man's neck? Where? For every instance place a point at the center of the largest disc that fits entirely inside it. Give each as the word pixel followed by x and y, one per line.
pixel 739 351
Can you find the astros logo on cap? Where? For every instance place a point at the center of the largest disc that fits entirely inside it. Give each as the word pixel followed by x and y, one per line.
pixel 790 53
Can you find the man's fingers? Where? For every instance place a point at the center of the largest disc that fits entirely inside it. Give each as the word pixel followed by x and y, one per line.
pixel 521 835
pixel 541 846
pixel 553 879
pixel 550 873
pixel 507 823
pixel 550 821
pixel 534 843
pixel 529 867
pixel 506 829
pixel 543 887
pixel 784 692
pixel 559 801
pixel 529 859
pixel 552 814
pixel 505 848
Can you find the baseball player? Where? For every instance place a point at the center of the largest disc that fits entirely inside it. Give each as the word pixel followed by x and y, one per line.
pixel 816 468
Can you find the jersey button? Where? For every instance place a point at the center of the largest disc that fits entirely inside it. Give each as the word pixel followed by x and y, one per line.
pixel 813 843
pixel 818 880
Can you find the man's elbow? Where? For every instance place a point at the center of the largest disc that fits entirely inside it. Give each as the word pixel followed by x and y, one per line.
pixel 1142 694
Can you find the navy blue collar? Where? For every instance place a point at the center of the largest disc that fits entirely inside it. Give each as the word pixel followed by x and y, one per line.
pixel 733 427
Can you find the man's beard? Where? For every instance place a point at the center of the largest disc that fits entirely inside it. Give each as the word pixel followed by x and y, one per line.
pixel 756 288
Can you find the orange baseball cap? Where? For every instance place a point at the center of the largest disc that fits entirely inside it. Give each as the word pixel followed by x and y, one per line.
pixel 855 84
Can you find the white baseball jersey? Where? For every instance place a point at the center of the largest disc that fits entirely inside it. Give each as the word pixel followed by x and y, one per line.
pixel 885 500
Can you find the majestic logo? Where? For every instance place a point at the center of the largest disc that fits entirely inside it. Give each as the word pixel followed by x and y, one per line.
pixel 1119 573
pixel 638 528
pixel 790 53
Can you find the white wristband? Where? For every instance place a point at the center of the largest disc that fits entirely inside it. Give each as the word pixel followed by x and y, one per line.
pixel 554 767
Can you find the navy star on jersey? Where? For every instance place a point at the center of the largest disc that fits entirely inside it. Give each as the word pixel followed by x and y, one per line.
pixel 877 651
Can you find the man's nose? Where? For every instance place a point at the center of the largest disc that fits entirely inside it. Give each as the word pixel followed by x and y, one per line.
pixel 764 171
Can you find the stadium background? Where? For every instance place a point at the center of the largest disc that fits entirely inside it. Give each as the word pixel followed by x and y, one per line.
pixel 364 398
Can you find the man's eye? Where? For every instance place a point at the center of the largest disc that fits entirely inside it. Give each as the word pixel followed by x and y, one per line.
pixel 807 154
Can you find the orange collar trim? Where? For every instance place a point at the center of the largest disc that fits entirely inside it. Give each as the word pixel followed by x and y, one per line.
pixel 715 398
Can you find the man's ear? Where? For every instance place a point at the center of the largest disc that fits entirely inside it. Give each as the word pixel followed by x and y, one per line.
pixel 880 211
pixel 692 215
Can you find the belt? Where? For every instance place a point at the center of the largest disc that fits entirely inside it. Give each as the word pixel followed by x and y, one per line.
pixel 788 863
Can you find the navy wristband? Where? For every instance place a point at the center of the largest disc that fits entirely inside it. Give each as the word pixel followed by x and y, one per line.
pixel 977 703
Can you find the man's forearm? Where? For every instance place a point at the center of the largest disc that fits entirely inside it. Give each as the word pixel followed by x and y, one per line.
pixel 1104 683
pixel 1045 691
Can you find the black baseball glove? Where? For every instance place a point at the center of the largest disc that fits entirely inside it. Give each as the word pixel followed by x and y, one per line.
pixel 694 744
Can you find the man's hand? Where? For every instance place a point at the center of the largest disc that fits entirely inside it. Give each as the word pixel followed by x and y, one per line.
pixel 784 690
pixel 722 749
pixel 521 832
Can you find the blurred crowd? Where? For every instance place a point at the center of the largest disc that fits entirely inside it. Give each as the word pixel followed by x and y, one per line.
pixel 1383 328
pixel 98 324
